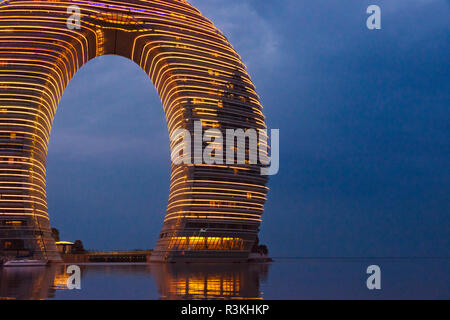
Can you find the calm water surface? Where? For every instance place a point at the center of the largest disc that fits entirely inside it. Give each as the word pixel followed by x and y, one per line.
pixel 282 279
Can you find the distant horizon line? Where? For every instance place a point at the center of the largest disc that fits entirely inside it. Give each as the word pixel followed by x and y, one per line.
pixel 367 257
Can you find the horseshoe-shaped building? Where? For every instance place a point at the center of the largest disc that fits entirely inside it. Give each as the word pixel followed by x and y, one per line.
pixel 214 211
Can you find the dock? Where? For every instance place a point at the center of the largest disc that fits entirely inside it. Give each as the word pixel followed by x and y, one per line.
pixel 138 256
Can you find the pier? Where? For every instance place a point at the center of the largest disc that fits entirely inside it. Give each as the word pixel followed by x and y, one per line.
pixel 138 256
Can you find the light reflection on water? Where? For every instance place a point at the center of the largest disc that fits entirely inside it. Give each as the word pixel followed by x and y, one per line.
pixel 283 279
pixel 145 281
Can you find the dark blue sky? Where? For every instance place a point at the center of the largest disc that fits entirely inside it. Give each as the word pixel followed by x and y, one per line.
pixel 364 119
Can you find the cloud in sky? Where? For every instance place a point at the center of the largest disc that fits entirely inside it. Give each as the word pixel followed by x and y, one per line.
pixel 391 7
pixel 91 122
pixel 72 145
pixel 252 35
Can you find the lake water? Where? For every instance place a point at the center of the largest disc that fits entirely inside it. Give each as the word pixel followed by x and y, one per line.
pixel 282 279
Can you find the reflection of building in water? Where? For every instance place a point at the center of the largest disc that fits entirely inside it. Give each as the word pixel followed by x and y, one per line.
pixel 210 281
pixel 61 278
pixel 173 281
pixel 26 283
pixel 32 283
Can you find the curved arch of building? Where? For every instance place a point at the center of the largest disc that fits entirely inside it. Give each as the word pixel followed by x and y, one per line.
pixel 214 211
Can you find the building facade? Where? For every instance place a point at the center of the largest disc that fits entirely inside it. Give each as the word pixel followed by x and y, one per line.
pixel 214 211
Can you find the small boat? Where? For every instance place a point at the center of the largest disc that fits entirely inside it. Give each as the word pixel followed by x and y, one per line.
pixel 25 263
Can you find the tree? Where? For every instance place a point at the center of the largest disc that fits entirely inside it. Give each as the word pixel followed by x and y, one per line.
pixel 78 247
pixel 55 234
pixel 260 248
pixel 255 245
pixel 263 250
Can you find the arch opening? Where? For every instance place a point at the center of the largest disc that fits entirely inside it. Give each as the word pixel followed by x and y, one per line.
pixel 108 168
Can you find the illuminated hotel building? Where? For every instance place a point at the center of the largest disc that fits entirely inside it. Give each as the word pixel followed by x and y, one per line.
pixel 214 211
